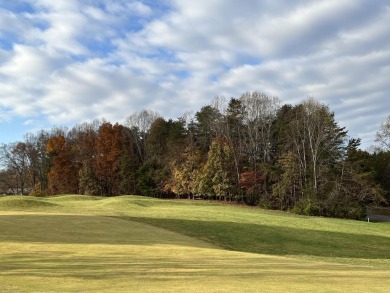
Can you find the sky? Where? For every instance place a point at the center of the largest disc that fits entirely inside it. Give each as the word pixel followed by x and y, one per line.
pixel 64 62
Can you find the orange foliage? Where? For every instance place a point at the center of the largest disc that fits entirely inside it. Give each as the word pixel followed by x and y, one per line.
pixel 55 144
pixel 107 161
pixel 62 176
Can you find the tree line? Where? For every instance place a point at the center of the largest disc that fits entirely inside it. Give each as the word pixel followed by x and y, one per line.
pixel 252 149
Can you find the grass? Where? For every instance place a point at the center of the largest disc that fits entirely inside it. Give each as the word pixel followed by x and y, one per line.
pixel 133 244
pixel 23 202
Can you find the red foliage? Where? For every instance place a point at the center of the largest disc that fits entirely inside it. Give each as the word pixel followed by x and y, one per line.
pixel 250 180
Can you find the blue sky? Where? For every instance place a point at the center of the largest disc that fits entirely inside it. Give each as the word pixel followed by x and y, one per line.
pixel 64 62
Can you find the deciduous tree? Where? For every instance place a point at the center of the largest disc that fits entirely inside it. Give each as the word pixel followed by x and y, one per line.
pixel 63 172
pixel 383 135
pixel 107 160
pixel 139 124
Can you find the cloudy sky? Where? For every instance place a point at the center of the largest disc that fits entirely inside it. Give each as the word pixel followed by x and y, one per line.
pixel 67 61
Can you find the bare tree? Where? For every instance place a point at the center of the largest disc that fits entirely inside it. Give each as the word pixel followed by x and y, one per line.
pixel 260 112
pixel 383 134
pixel 317 140
pixel 139 124
pixel 38 158
pixel 14 157
pixel 220 105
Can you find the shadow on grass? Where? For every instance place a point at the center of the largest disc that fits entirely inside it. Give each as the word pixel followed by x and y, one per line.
pixel 278 240
pixel 245 237
pixel 80 229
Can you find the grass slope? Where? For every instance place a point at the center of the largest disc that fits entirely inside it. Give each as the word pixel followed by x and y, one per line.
pixel 23 202
pixel 134 244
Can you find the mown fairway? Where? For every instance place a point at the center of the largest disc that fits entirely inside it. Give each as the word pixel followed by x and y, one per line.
pixel 135 244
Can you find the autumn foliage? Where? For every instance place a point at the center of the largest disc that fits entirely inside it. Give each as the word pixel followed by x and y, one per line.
pixel 62 173
pixel 250 150
pixel 107 159
pixel 250 181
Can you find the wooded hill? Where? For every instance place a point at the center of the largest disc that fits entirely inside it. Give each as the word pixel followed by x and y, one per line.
pixel 250 149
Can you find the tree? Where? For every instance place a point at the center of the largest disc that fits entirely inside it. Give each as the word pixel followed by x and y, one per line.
pixel 260 112
pixel 286 188
pixel 40 161
pixel 147 183
pixel 186 172
pixel 251 182
pixel 383 135
pixel 235 132
pixel 63 172
pixel 164 144
pixel 84 138
pixel 88 182
pixel 381 157
pixel 156 142
pixel 380 162
pixel 206 127
pixel 107 160
pixel 139 124
pixel 8 182
pixel 324 137
pixel 309 150
pixel 217 178
pixel 14 157
pixel 317 143
pixel 129 164
pixel 249 149
pixel 354 186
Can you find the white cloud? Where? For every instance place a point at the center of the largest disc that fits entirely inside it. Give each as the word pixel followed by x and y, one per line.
pixel 11 23
pixel 30 64
pixel 70 61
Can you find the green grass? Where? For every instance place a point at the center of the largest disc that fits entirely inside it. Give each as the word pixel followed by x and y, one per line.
pixel 23 202
pixel 76 243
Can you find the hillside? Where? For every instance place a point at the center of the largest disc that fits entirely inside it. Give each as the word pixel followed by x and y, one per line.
pixel 76 243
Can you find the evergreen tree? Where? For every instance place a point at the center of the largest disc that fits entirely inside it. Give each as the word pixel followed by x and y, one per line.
pixel 217 178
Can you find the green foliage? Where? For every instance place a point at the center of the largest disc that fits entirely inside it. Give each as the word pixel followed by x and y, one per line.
pixel 380 165
pixel 286 189
pixel 152 179
pixel 307 207
pixel 146 183
pixel 217 178
pixel 206 126
pixel 88 181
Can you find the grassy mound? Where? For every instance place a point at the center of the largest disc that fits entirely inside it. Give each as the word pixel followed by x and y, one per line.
pixel 74 197
pixel 253 230
pixel 137 244
pixel 24 202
